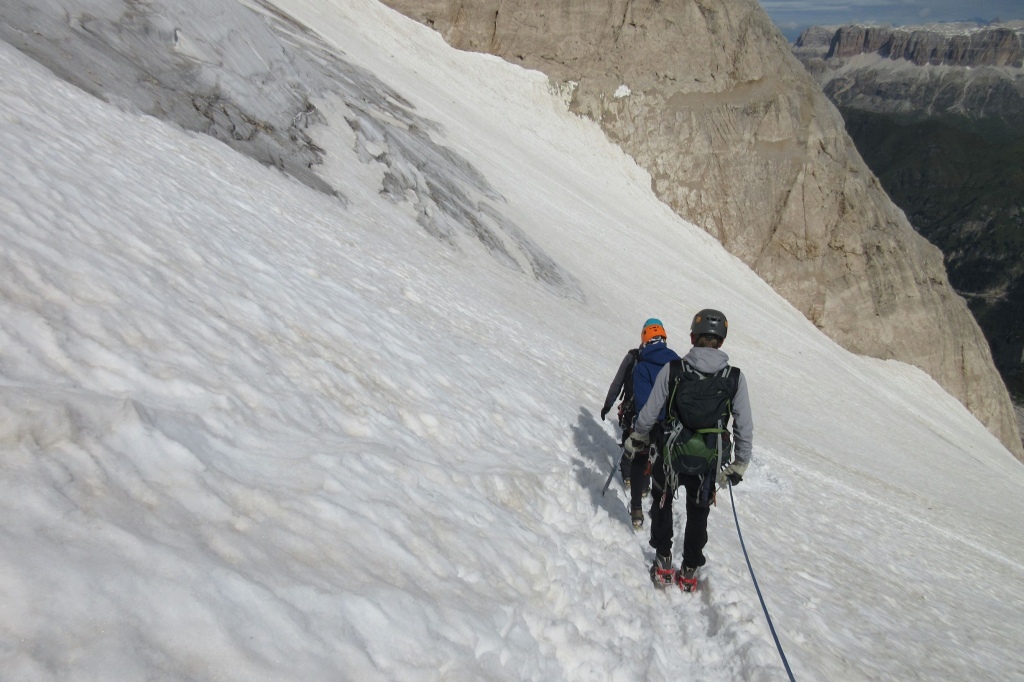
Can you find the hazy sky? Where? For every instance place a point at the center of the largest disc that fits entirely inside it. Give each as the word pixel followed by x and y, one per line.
pixel 794 15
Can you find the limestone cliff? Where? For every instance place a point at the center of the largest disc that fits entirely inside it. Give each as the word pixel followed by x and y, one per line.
pixel 956 71
pixel 740 140
pixel 949 44
pixel 937 112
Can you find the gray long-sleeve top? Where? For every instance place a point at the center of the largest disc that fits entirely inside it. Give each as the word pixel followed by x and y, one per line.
pixel 620 378
pixel 706 361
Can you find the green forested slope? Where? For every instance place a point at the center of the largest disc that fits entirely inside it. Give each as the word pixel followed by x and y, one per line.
pixel 963 189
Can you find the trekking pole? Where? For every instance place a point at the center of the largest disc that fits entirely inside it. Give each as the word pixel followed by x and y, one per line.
pixel 614 469
pixel 750 568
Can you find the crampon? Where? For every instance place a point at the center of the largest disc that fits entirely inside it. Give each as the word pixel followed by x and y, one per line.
pixel 662 577
pixel 686 584
pixel 687 579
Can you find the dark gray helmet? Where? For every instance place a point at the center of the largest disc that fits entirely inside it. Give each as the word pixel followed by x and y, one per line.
pixel 710 321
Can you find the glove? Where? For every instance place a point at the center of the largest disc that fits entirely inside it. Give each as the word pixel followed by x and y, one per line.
pixel 636 442
pixel 604 413
pixel 731 474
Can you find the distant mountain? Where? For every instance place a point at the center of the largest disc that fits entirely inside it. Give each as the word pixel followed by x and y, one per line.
pixel 954 44
pixel 937 112
pixel 967 74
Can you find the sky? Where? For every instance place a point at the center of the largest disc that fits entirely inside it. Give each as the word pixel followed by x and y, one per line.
pixel 256 425
pixel 792 16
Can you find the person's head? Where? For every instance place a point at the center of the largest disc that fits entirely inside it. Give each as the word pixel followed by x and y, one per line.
pixel 651 331
pixel 708 329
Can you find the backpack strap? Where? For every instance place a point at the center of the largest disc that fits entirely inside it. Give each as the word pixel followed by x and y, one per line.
pixel 692 370
pixel 627 382
pixel 675 369
pixel 724 372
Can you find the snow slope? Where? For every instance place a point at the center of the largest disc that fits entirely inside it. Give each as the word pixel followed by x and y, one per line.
pixel 259 428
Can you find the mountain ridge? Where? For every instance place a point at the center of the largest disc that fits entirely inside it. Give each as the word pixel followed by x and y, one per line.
pixel 974 76
pixel 953 44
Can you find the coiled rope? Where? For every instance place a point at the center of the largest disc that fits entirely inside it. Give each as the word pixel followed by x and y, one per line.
pixel 764 608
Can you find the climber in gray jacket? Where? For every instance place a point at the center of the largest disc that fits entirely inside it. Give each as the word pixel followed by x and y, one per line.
pixel 705 359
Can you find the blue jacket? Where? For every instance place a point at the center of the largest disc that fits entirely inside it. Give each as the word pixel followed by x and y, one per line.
pixel 653 357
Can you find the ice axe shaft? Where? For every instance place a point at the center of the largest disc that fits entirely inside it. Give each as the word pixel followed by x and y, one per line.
pixel 614 469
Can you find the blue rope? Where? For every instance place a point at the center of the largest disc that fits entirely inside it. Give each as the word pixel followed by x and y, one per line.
pixel 751 569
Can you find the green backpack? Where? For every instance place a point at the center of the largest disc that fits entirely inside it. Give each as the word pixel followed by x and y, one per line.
pixel 698 411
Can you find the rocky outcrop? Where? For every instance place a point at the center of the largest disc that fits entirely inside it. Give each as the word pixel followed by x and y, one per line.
pixel 816 38
pixel 741 141
pixel 852 40
pixel 971 74
pixel 949 44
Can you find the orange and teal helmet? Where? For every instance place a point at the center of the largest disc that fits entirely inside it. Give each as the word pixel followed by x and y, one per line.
pixel 652 329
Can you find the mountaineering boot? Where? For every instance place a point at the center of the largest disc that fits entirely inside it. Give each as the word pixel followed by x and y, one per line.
pixel 662 574
pixel 637 514
pixel 687 579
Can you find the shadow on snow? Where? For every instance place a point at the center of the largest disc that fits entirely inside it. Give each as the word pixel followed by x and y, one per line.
pixel 598 453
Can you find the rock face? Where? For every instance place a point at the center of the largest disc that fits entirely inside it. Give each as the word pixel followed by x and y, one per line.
pixel 950 44
pixel 871 68
pixel 938 114
pixel 740 140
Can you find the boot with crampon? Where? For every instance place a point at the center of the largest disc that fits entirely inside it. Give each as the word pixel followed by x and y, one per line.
pixel 662 573
pixel 687 579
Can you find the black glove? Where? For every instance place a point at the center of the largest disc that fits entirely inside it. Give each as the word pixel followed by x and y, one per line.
pixel 604 413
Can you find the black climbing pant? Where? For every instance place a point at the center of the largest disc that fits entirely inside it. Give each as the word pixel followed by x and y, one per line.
pixel 699 496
